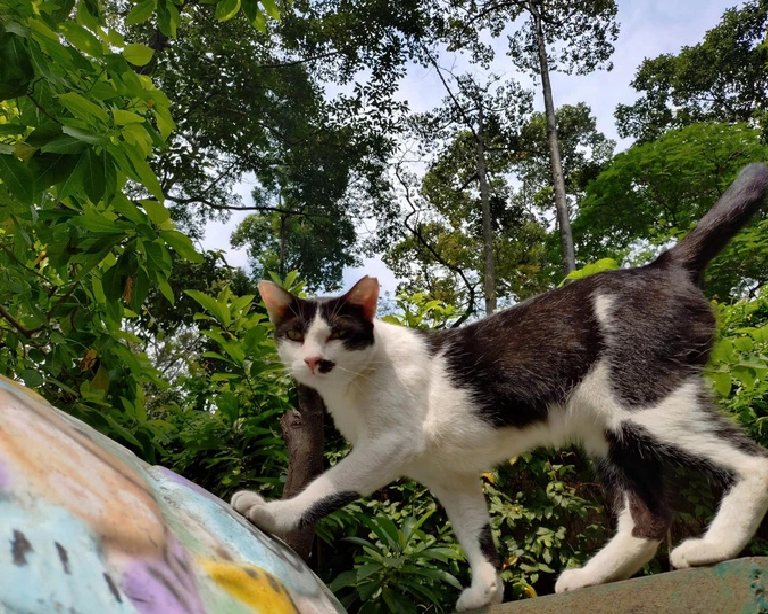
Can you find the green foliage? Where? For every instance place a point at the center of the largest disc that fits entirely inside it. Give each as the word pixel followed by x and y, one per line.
pixel 229 435
pixel 315 242
pixel 738 369
pixel 77 256
pixel 547 515
pixel 399 568
pixel 604 264
pixel 721 79
pixel 79 123
pixel 655 192
pixel 419 311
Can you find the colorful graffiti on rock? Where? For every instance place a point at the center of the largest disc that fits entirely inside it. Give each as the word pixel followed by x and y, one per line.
pixel 91 529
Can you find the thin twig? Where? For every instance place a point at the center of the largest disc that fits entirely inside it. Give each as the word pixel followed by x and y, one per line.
pixel 27 332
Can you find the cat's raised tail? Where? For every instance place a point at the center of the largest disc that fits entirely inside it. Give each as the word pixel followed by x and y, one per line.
pixel 729 214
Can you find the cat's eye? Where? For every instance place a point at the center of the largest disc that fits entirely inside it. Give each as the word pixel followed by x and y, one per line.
pixel 295 335
pixel 339 334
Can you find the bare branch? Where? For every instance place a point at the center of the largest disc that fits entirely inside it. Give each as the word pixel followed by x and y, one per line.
pixel 424 243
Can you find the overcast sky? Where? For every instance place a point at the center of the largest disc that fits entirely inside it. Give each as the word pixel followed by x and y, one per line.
pixel 648 28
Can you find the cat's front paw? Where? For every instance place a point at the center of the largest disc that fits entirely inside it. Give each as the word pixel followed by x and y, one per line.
pixel 572 579
pixel 474 597
pixel 256 509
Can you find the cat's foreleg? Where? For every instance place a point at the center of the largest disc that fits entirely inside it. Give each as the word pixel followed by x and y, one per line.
pixel 463 499
pixel 369 466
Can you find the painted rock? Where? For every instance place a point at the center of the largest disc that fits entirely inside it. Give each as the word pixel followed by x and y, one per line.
pixel 89 528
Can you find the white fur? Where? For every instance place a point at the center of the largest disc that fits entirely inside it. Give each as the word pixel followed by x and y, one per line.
pixel 603 307
pixel 403 418
pixel 619 559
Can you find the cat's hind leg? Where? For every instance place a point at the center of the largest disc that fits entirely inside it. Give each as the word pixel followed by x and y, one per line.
pixel 463 499
pixel 724 448
pixel 635 478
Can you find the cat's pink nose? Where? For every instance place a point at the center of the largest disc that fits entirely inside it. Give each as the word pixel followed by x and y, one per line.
pixel 312 362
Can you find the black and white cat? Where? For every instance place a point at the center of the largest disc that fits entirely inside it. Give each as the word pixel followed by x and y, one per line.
pixel 612 362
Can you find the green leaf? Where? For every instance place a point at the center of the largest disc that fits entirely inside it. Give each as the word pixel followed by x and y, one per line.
pixel 164 122
pixel 271 8
pixel 138 55
pixel 182 244
pixel 93 170
pixel 65 145
pixel 251 10
pixel 126 117
pixel 168 19
pixel 83 135
pixel 156 211
pixel 165 289
pixel 82 108
pixel 210 304
pixel 346 578
pixel 113 284
pixel 12 129
pixel 16 71
pixel 227 9
pixel 81 38
pixel 95 222
pixel 32 378
pixel 434 573
pixel 744 344
pixel 144 173
pixel 17 178
pixel 51 169
pixel 367 570
pixel 384 528
pixel 103 91
pixel 115 38
pixel 140 290
pixel 141 12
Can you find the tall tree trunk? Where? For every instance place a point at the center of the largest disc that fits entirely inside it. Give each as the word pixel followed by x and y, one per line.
pixel 561 204
pixel 282 244
pixel 283 220
pixel 303 435
pixel 489 262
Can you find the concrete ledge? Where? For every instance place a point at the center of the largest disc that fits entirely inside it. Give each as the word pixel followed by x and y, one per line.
pixel 732 587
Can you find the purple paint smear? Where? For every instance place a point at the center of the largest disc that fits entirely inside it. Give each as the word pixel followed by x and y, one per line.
pixel 157 587
pixel 175 477
pixel 5 475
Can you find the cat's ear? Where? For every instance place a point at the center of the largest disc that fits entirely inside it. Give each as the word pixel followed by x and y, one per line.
pixel 277 300
pixel 365 294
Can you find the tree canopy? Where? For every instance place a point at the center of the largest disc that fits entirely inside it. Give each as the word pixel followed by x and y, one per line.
pixel 723 78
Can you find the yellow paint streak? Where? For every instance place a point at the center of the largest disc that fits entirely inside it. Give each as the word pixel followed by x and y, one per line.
pixel 252 585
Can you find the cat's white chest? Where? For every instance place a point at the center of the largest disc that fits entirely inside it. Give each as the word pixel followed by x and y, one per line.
pixel 346 412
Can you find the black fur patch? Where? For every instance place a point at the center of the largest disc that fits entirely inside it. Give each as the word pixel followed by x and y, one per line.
pixel 488 548
pixel 518 362
pixel 634 468
pixel 330 504
pixel 325 366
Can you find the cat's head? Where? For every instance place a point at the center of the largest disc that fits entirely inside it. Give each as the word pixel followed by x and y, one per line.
pixel 323 340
